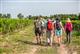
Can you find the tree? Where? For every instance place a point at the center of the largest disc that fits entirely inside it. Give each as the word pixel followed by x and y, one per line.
pixel 29 16
pixel 0 15
pixel 79 16
pixel 8 15
pixel 51 16
pixel 20 16
pixel 4 16
pixel 45 17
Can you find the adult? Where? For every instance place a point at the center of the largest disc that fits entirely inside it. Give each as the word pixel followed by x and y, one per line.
pixel 68 29
pixel 58 30
pixel 37 27
pixel 49 32
pixel 43 22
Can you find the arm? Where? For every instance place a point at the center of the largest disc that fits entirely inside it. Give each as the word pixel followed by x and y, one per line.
pixel 65 26
pixel 71 25
pixel 62 27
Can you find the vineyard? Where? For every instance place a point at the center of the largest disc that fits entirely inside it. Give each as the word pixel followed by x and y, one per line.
pixel 10 25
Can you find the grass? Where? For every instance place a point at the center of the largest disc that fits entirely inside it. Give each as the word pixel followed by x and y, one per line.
pixel 17 42
pixel 75 44
pixel 21 42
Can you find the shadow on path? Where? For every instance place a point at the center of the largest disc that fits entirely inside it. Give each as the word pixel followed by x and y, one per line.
pixel 32 43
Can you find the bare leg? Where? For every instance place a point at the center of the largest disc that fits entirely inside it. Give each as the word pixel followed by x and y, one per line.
pixel 51 39
pixel 37 39
pixel 69 37
pixel 60 40
pixel 40 39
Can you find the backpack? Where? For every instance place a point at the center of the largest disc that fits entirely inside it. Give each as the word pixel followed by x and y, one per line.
pixel 38 25
pixel 58 26
pixel 49 25
pixel 42 23
pixel 68 26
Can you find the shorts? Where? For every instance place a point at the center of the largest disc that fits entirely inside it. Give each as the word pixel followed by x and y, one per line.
pixel 42 29
pixel 58 32
pixel 38 32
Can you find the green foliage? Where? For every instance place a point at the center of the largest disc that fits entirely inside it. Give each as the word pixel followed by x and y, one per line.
pixel 65 16
pixel 18 42
pixel 9 25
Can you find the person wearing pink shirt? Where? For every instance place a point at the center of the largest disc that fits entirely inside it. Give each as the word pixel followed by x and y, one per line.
pixel 68 29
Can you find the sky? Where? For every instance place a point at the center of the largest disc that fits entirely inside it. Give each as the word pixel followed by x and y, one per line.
pixel 79 6
pixel 39 7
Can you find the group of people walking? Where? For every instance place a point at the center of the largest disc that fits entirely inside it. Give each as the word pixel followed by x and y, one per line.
pixel 52 28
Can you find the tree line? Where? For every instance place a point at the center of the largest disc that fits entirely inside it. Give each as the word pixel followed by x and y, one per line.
pixel 8 15
pixel 62 16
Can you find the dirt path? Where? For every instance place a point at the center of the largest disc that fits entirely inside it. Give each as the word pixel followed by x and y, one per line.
pixel 63 49
pixel 34 47
pixel 32 51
